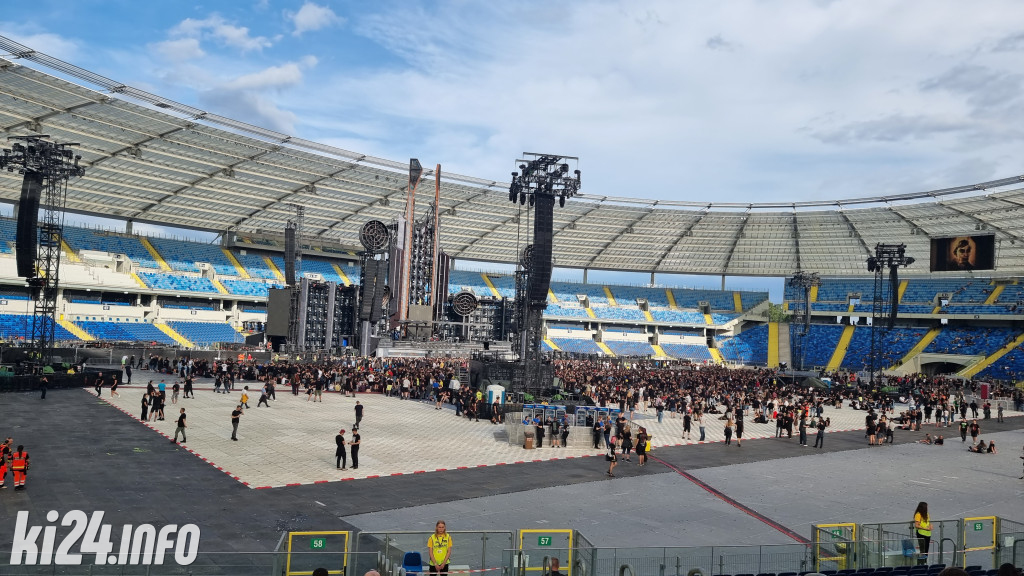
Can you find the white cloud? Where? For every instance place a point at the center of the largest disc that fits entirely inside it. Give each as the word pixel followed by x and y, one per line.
pixel 313 17
pixel 288 74
pixel 219 30
pixel 179 49
pixel 51 44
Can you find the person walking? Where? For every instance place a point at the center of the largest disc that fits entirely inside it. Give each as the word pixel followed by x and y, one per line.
pixel 728 429
pixel 439 546
pixel 687 422
pixel 19 466
pixel 341 460
pixel 923 530
pixel 356 439
pixel 180 429
pixel 245 397
pixel 963 429
pixel 975 429
pixel 236 415
pixel 359 412
pixel 5 458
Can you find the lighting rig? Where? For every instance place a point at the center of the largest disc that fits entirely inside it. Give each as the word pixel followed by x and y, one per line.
pixel 540 180
pixel 805 281
pixel 886 298
pixel 46 167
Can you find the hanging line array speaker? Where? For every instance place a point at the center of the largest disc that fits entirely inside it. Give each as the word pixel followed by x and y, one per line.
pixel 290 251
pixel 540 256
pixel 28 218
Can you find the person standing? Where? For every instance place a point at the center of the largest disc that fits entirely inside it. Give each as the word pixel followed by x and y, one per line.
pixel 341 460
pixel 975 431
pixel 356 439
pixel 803 430
pixel 963 430
pixel 245 397
pixel 687 422
pixel 236 415
pixel 923 530
pixel 5 457
pixel 611 458
pixel 180 429
pixel 128 374
pixel 728 428
pixel 359 412
pixel 145 405
pixel 700 424
pixel 43 384
pixel 819 438
pixel 19 465
pixel 439 547
pixel 739 425
pixel 564 432
pixel 188 388
pixel 643 441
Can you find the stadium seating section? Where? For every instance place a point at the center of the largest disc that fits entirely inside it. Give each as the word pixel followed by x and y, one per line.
pixel 971 341
pixel 577 345
pixel 695 352
pixel 19 326
pixel 8 231
pixel 125 331
pixel 177 283
pixel 894 346
pixel 184 256
pixel 749 347
pixel 629 348
pixel 249 287
pixel 817 346
pixel 206 333
pixel 112 242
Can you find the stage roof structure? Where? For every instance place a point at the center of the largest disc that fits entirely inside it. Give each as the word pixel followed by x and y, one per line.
pixel 150 159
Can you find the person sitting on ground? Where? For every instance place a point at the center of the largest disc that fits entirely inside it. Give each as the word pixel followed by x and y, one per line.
pixel 980 448
pixel 939 441
pixel 991 448
pixel 927 439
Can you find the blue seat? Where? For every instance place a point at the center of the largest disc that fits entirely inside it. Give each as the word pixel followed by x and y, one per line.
pixel 412 562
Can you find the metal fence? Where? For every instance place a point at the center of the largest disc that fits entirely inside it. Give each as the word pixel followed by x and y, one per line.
pixel 477 551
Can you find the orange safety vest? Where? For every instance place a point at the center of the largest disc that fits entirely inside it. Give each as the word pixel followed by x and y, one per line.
pixel 19 460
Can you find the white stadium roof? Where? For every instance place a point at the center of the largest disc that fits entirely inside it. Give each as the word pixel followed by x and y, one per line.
pixel 150 159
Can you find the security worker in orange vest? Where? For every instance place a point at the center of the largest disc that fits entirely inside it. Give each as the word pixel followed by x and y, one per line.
pixel 5 455
pixel 19 464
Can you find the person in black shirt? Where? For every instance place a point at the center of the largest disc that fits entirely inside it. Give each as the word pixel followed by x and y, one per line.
pixel 180 429
pixel 359 413
pixel 236 415
pixel 356 439
pixel 339 452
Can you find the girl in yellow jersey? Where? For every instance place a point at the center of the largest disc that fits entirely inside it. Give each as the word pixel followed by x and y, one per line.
pixel 440 546
pixel 923 529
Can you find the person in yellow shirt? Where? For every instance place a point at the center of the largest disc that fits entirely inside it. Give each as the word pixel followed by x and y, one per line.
pixel 440 546
pixel 923 529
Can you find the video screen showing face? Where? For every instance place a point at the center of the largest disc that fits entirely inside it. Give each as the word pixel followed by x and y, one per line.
pixel 963 253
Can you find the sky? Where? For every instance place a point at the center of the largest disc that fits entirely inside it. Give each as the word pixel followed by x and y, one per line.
pixel 739 101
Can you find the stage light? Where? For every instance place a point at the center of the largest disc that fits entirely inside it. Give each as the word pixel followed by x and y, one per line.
pixel 565 168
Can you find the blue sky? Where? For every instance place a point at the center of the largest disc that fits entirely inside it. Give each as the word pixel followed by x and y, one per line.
pixel 739 101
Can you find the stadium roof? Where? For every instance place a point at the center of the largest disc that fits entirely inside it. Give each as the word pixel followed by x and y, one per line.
pixel 149 159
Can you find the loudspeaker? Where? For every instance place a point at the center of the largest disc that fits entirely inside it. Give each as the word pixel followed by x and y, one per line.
pixel 540 265
pixel 366 289
pixel 28 217
pixel 378 299
pixel 289 255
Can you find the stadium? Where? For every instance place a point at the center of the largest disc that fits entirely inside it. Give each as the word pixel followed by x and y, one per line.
pixel 847 319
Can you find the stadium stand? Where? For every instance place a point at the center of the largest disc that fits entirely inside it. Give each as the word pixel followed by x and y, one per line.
pixel 184 256
pixel 206 333
pixel 677 316
pixel 8 229
pixel 13 293
pixel 249 287
pixel 506 285
pixel 459 280
pixel 568 292
pixel 749 347
pixel 255 265
pixel 630 348
pixel 630 294
pixel 618 313
pixel 970 340
pixel 19 326
pixel 178 283
pixel 818 345
pixel 695 352
pixel 125 331
pixel 111 242
pixel 1009 367
pixel 894 346
pixel 577 345
pixel 556 310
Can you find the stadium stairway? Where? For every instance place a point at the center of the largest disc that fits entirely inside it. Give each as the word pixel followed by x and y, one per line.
pixel 78 332
pixel 589 312
pixel 901 290
pixel 552 344
pixel 920 346
pixel 139 281
pixel 242 273
pixel 785 346
pixel 171 332
pixel 708 320
pixel 840 353
pixel 608 294
pixel 814 294
pixel 671 299
pixel 273 268
pixel 554 300
pixel 737 301
pixel 344 277
pixel 996 292
pixel 156 255
pixel 970 371
pixel 647 315
pixel 659 352
pixel 773 344
pixel 604 347
pixel 220 287
pixel 69 253
pixel 716 355
pixel 494 290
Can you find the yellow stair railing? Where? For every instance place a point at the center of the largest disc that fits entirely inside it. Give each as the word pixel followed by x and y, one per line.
pixel 74 329
pixel 273 268
pixel 156 255
pixel 840 352
pixel 492 287
pixel 234 262
pixel 604 348
pixel 972 370
pixel 174 334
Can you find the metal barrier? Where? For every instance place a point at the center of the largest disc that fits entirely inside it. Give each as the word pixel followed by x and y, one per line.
pixel 478 551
